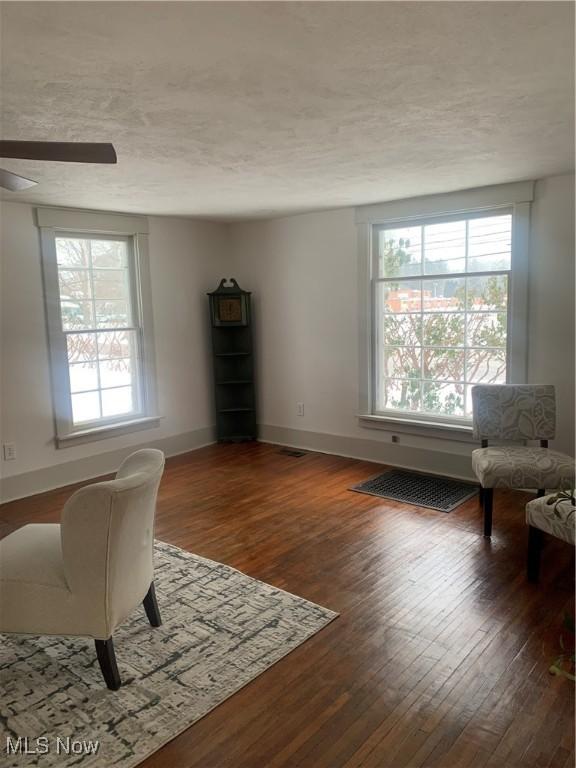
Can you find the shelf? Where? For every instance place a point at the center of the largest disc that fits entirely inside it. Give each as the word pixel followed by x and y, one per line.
pixel 233 362
pixel 235 410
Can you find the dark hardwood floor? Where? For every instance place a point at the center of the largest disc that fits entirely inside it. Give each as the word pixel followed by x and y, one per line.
pixel 440 656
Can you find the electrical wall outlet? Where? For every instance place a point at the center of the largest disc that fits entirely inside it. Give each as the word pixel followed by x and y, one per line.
pixel 9 450
pixel 395 439
pixel 300 409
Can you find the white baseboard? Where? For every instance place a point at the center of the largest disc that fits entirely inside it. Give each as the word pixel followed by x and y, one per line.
pixel 392 454
pixel 377 451
pixel 79 470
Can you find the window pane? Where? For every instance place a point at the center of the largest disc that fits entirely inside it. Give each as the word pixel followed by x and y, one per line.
pixel 76 315
pixel 443 329
pixel 443 295
pixel 445 247
pixel 402 395
pixel 112 313
pixel 401 296
pixel 83 376
pixel 400 251
pixel 95 292
pixel 447 399
pixel 486 366
pixel 72 252
pixel 115 372
pixel 85 407
pixel 115 344
pixel 489 292
pixel 403 330
pixel 74 284
pixel 81 347
pixel 436 336
pixel 109 254
pixel 468 404
pixel 117 401
pixel 402 362
pixel 444 364
pixel 488 264
pixel 489 243
pixel 110 284
pixel 487 329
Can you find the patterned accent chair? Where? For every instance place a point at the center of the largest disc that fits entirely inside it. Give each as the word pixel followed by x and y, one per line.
pixel 551 516
pixel 516 413
pixel 86 575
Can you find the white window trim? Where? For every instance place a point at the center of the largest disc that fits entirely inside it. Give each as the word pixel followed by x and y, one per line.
pixel 52 221
pixel 516 197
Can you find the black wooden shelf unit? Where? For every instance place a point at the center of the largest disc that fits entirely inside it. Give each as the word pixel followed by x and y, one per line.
pixel 232 349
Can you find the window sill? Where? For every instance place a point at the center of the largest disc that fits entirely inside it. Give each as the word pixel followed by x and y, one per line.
pixel 106 431
pixel 435 429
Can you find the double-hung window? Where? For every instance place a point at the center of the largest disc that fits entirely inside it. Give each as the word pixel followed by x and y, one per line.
pixel 441 313
pixel 99 335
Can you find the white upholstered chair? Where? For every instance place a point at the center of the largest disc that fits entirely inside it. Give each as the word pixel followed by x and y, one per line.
pixel 86 575
pixel 519 414
pixel 552 515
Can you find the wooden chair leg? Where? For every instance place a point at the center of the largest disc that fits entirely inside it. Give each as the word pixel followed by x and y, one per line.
pixel 481 496
pixel 488 497
pixel 107 661
pixel 151 607
pixel 534 549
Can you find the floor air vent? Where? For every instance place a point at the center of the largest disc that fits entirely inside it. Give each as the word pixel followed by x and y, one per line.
pixel 292 452
pixel 441 493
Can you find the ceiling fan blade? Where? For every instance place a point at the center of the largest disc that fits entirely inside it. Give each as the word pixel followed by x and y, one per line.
pixel 13 182
pixel 61 151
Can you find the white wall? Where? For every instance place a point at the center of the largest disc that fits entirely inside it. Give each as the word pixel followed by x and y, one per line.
pixel 303 271
pixel 186 258
pixel 551 299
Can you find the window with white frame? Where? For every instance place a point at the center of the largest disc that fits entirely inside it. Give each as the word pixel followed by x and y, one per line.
pixel 100 321
pixel 441 312
pixel 101 366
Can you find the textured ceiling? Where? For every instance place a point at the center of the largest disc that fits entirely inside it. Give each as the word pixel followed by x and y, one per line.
pixel 233 110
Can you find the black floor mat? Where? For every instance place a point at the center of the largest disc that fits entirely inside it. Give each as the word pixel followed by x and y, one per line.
pixel 441 493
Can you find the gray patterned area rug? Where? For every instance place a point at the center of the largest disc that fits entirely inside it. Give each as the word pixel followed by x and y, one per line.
pixel 220 630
